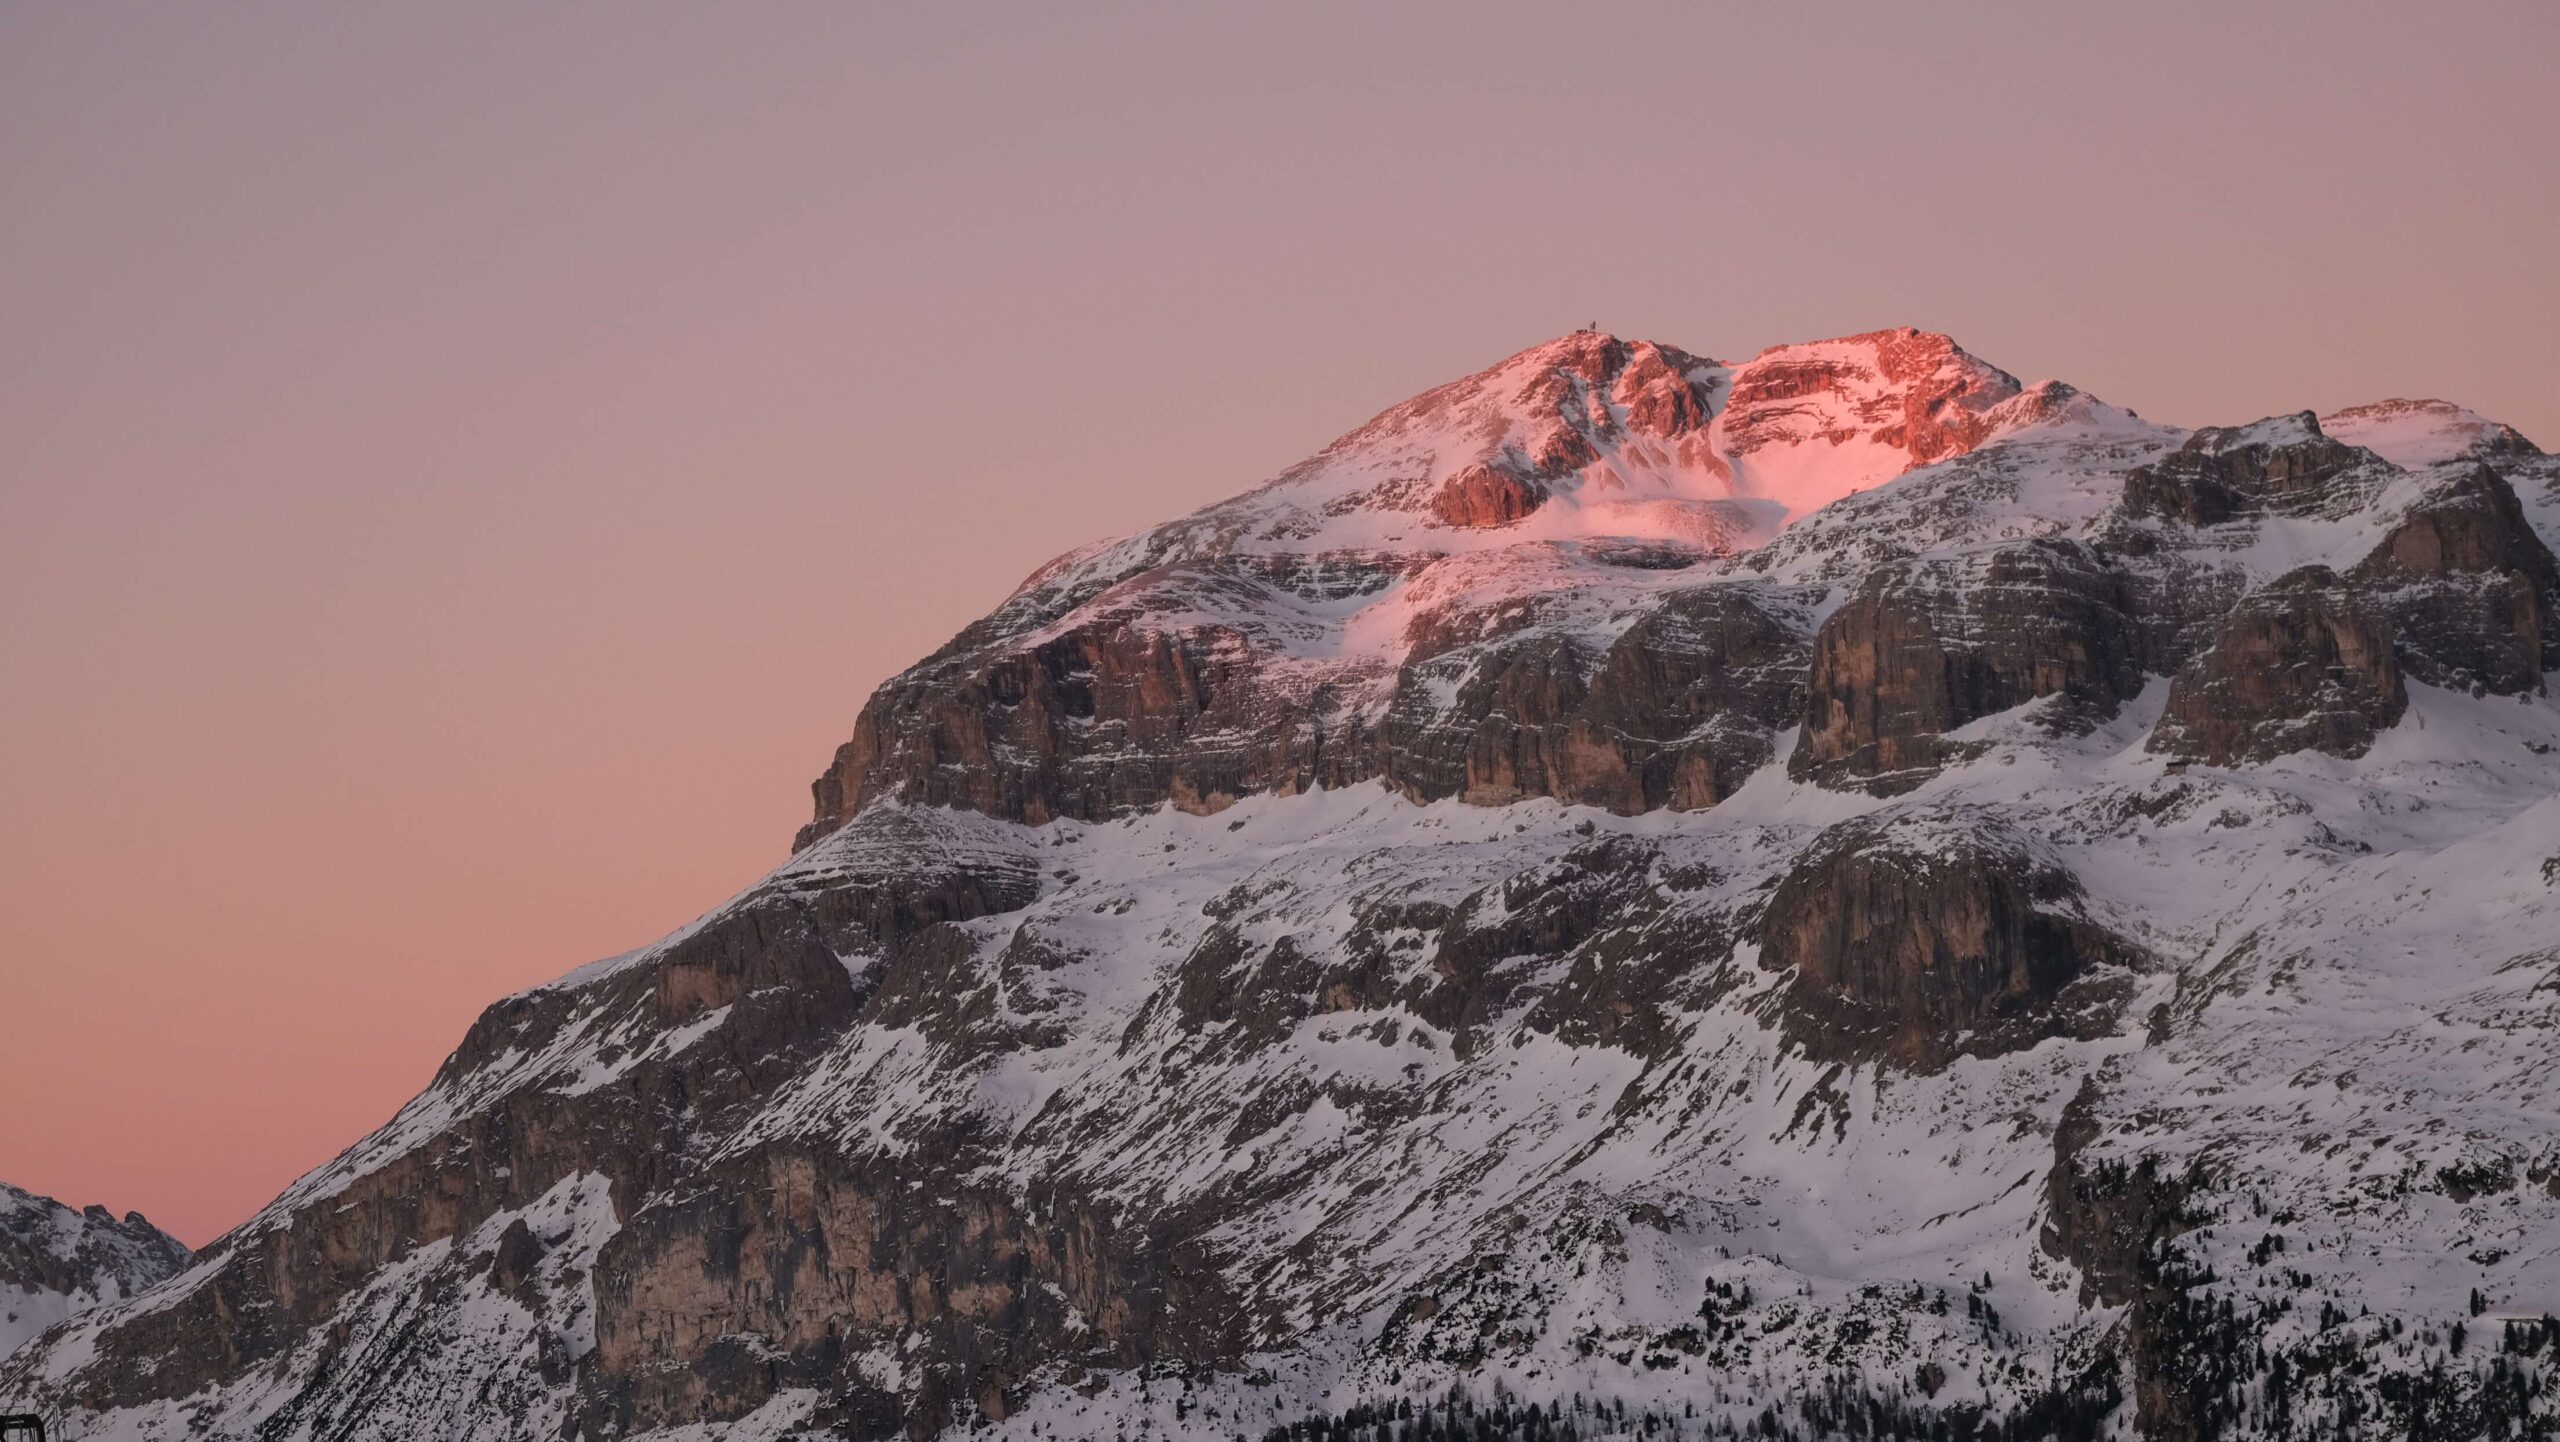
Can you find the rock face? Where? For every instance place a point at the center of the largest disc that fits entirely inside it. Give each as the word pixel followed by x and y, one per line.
pixel 1930 937
pixel 2285 466
pixel 1482 496
pixel 1492 706
pixel 1915 392
pixel 56 1263
pixel 2306 664
pixel 1921 649
pixel 2470 589
pixel 1357 941
pixel 1678 711
pixel 790 1250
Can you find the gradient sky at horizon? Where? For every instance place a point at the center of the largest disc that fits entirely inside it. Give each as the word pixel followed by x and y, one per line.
pixel 462 467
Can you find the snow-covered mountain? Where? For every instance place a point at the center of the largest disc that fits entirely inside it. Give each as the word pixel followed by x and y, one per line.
pixel 1834 894
pixel 55 1262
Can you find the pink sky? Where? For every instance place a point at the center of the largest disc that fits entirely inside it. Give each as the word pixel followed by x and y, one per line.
pixel 461 469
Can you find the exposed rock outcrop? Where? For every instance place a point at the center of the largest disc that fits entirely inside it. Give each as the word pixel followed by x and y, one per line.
pixel 2471 591
pixel 1677 712
pixel 1920 650
pixel 2284 466
pixel 2304 664
pixel 1457 969
pixel 810 1258
pixel 1082 724
pixel 1499 939
pixel 1925 936
pixel 1481 496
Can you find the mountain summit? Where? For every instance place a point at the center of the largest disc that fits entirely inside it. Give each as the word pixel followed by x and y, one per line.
pixel 1829 895
pixel 1590 435
pixel 1333 614
pixel 56 1262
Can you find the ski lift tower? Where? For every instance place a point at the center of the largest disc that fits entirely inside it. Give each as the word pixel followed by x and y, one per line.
pixel 21 1427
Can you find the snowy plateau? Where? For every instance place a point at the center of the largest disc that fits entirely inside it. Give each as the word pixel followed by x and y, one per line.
pixel 1832 895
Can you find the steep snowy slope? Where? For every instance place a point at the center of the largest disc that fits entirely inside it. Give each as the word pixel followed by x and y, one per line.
pixel 2417 434
pixel 1836 884
pixel 55 1262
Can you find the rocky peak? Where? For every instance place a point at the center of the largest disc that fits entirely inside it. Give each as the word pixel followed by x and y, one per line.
pixel 1808 424
pixel 1592 434
pixel 56 1262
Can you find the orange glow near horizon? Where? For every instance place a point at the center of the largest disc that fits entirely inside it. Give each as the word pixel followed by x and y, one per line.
pixel 461 469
